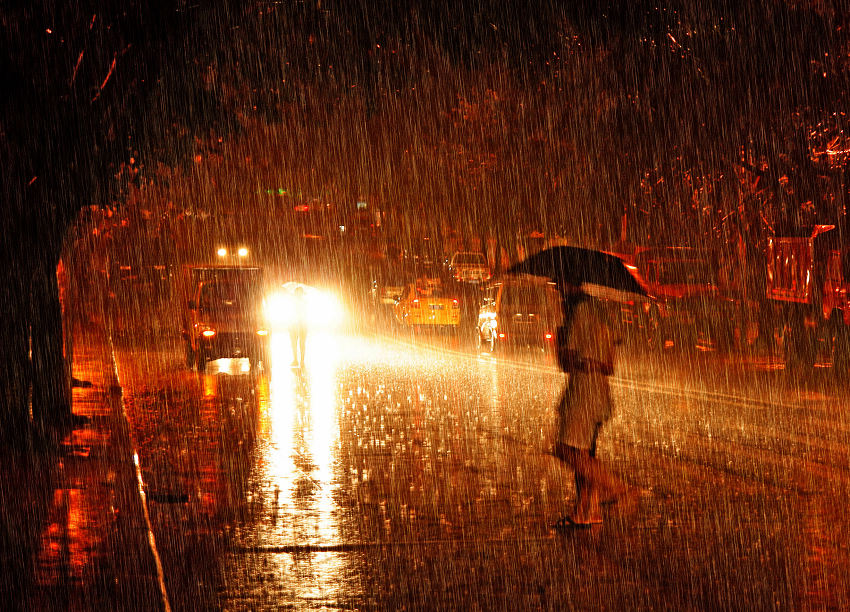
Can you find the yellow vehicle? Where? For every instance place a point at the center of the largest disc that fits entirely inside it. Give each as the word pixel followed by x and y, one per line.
pixel 427 305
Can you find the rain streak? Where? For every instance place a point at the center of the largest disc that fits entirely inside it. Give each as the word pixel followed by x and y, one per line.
pixel 424 305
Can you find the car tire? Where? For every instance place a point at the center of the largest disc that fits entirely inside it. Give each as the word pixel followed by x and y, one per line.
pixel 190 355
pixel 723 336
pixel 840 349
pixel 798 348
pixel 202 359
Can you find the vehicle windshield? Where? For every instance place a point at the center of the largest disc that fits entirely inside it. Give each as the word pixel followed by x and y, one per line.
pixel 525 299
pixel 431 291
pixel 229 294
pixel 469 258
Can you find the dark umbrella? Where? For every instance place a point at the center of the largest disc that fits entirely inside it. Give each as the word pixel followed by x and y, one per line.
pixel 595 272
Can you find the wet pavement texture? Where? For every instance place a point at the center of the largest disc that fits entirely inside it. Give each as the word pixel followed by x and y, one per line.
pixel 402 472
pixel 73 534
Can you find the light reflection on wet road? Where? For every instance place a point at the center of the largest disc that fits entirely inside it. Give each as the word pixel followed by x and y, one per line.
pixel 387 475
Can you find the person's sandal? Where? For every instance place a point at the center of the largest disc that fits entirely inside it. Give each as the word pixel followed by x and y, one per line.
pixel 568 522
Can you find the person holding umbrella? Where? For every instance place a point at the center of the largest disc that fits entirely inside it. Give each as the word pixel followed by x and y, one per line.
pixel 588 281
pixel 587 355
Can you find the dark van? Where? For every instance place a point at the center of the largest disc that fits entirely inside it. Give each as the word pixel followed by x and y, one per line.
pixel 518 312
pixel 224 316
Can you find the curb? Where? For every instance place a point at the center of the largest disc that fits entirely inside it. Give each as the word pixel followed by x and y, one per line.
pixel 108 557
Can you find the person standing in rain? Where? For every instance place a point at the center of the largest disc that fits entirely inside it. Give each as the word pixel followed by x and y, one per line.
pixel 586 346
pixel 298 327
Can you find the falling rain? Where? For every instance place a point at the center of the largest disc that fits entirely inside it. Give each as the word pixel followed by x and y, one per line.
pixel 427 305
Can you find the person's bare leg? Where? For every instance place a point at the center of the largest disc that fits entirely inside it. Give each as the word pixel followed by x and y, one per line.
pixel 587 509
pixel 607 484
pixel 293 340
pixel 302 344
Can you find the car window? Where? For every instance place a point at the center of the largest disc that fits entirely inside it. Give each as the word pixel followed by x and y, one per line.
pixel 533 299
pixel 430 290
pixel 226 294
pixel 685 272
pixel 469 258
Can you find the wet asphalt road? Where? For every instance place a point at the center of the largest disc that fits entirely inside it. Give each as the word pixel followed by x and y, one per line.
pixel 405 473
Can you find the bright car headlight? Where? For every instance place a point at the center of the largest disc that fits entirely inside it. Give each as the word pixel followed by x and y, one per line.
pixel 280 309
pixel 321 309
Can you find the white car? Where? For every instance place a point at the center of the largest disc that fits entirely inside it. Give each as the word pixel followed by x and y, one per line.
pixel 469 267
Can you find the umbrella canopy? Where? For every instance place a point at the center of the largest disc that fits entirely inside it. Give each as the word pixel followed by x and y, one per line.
pixel 595 272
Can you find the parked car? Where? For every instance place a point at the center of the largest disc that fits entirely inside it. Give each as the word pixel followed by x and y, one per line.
pixel 688 309
pixel 225 317
pixel 518 312
pixel 469 267
pixel 427 304
pixel 387 284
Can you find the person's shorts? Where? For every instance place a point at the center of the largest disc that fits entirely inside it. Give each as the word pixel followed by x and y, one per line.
pixel 579 429
pixel 564 456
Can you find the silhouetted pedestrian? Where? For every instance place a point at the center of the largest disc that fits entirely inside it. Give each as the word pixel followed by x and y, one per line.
pixel 298 327
pixel 586 346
